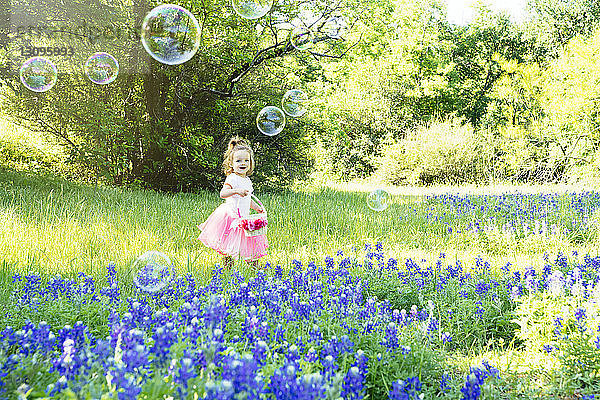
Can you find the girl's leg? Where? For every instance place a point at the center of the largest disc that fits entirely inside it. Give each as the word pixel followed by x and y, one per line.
pixel 253 264
pixel 228 262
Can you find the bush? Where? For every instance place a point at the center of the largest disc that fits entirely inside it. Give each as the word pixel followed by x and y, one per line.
pixel 446 151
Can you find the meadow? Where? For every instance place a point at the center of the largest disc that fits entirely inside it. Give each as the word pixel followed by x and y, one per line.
pixel 441 295
pixel 459 293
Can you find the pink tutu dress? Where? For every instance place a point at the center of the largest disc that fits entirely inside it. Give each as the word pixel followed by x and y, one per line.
pixel 222 231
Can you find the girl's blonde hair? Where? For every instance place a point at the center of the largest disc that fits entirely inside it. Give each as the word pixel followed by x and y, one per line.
pixel 236 144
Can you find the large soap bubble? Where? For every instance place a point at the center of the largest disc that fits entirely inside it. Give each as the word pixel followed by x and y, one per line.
pixel 151 271
pixel 101 68
pixel 171 34
pixel 378 200
pixel 251 9
pixel 294 102
pixel 302 38
pixel 335 27
pixel 270 120
pixel 38 74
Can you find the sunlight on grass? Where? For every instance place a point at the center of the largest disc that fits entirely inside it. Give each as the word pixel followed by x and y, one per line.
pixel 57 226
pixel 12 133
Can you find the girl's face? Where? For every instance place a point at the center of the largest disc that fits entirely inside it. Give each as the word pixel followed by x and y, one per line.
pixel 241 162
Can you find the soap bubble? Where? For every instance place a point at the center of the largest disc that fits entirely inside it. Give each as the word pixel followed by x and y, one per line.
pixel 38 74
pixel 171 34
pixel 270 120
pixel 101 68
pixel 251 9
pixel 378 200
pixel 294 102
pixel 302 38
pixel 335 27
pixel 151 271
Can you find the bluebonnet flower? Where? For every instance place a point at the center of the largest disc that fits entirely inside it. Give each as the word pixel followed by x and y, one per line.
pixel 391 337
pixel 433 325
pixel 185 372
pixel 315 334
pixel 216 312
pixel 446 337
pixel 57 387
pixel 479 309
pixel 135 357
pixel 481 288
pixel 286 385
pixel 405 350
pixel 557 326
pixel 329 262
pixel 260 352
pixel 9 366
pixel 444 386
pixel 279 333
pixel 581 317
pixel 164 337
pixel 311 355
pixel 361 362
pixel 328 365
pixel 472 388
pixel 405 389
pixel 130 389
pixel 353 384
pixel 222 390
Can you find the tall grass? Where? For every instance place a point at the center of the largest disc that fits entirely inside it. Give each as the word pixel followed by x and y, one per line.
pixel 55 226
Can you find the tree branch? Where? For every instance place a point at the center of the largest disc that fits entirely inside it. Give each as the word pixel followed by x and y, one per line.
pixel 278 50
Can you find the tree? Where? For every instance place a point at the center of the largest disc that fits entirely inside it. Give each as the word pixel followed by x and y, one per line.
pixel 554 22
pixel 166 126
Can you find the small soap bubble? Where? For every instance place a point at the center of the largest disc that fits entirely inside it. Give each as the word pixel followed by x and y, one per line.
pixel 378 200
pixel 335 27
pixel 101 68
pixel 294 103
pixel 270 120
pixel 251 9
pixel 151 271
pixel 302 38
pixel 171 34
pixel 38 74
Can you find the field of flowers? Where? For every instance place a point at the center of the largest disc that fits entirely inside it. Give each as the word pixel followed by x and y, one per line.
pixel 352 324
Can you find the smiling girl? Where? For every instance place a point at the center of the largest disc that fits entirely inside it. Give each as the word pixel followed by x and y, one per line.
pixel 221 231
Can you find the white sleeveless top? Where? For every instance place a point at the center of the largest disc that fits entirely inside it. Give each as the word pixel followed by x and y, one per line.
pixel 236 201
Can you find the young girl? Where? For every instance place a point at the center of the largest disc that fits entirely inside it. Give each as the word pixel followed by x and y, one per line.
pixel 221 231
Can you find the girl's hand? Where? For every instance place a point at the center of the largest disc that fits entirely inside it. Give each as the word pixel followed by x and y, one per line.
pixel 243 192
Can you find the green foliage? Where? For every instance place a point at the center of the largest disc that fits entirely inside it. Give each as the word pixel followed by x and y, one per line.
pixel 565 324
pixel 427 70
pixel 18 156
pixel 556 22
pixel 166 127
pixel 442 152
pixel 515 97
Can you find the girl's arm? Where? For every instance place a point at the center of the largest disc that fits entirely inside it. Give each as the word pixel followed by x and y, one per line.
pixel 228 191
pixel 256 207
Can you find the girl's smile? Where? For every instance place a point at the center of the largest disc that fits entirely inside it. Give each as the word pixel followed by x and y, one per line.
pixel 241 162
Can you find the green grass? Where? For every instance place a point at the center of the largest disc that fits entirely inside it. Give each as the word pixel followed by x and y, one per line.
pixel 49 224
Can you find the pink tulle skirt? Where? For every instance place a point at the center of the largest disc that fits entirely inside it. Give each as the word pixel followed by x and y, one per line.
pixel 222 233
